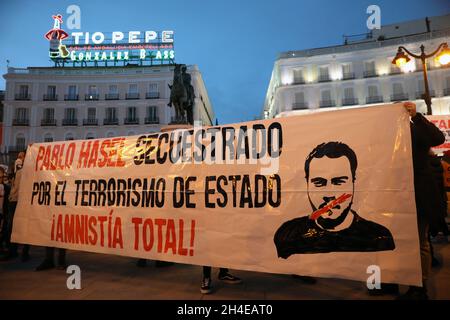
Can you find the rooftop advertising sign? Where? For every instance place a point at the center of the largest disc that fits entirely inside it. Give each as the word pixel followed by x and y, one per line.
pixel 85 47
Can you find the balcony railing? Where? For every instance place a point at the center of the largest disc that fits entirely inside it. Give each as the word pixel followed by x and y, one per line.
pixel 399 97
pixel 112 96
pixel 395 70
pixel 21 122
pixel 447 92
pixel 91 97
pixel 152 95
pixel 299 105
pixel 48 122
pixel 374 99
pixel 299 81
pixel 131 121
pixel 70 122
pixel 327 103
pixel 50 97
pixel 21 96
pixel 370 73
pixel 324 78
pixel 420 93
pixel 349 101
pixel 110 121
pixel 130 96
pixel 90 122
pixel 348 76
pixel 18 148
pixel 151 120
pixel 70 97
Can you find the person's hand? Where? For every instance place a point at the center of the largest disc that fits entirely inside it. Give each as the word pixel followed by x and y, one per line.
pixel 410 107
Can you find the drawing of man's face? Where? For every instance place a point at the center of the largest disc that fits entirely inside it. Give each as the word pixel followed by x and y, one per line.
pixel 330 178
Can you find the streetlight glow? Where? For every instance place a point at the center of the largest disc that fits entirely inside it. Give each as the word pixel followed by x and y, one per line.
pixel 444 56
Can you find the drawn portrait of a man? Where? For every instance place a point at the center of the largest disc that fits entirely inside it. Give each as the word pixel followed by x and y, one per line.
pixel 330 172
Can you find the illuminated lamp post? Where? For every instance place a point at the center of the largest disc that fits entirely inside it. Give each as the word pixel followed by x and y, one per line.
pixel 401 58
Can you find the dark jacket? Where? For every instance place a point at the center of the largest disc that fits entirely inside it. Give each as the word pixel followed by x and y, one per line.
pixel 424 135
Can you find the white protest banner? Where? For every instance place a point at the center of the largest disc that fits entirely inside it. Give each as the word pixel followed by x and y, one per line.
pixel 443 123
pixel 327 194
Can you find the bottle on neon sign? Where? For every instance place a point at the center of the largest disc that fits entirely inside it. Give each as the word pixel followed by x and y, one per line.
pixel 118 36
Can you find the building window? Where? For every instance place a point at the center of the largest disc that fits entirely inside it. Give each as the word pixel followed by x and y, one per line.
pixel 323 74
pixel 70 117
pixel 71 93
pixel 298 76
pixel 69 136
pixel 22 114
pixel 91 117
pixel 349 98
pixel 113 89
pixel 369 69
pixel 91 113
pixel 152 115
pixel 20 142
pixel 110 117
pixel 48 118
pixel 133 88
pixel 131 117
pixel 48 137
pixel 347 71
pixel 447 87
pixel 23 93
pixel 153 92
pixel 110 134
pixel 421 89
pixel 51 93
pixel 372 94
pixel 299 101
pixel 397 92
pixel 326 100
pixel 90 136
pixel 92 89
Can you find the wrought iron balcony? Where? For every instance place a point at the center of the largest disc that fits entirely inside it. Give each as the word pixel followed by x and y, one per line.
pixel 447 92
pixel 399 97
pixel 50 97
pixel 348 76
pixel 131 121
pixel 299 105
pixel 349 101
pixel 91 97
pixel 420 93
pixel 110 121
pixel 70 122
pixel 112 96
pixel 90 122
pixel 370 73
pixel 21 122
pixel 21 96
pixel 70 97
pixel 48 122
pixel 327 103
pixel 152 95
pixel 299 80
pixel 130 96
pixel 151 120
pixel 374 99
pixel 324 78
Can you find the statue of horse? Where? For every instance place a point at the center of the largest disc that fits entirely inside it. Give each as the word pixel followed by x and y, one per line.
pixel 178 95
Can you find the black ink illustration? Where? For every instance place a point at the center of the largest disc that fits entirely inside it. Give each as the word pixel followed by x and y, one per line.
pixel 330 172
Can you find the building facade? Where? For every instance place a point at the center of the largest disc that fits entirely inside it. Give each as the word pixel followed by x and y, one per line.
pixel 51 104
pixel 360 72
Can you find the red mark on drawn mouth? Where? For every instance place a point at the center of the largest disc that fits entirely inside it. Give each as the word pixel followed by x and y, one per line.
pixel 316 214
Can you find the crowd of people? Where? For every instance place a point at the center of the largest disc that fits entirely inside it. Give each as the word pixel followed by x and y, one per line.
pixel 431 182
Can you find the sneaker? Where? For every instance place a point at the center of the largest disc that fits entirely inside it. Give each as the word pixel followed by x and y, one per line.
pixel 229 278
pixel 45 265
pixel 206 286
pixel 305 279
pixel 386 288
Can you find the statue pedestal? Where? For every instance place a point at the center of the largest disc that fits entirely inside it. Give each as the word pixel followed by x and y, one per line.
pixel 172 127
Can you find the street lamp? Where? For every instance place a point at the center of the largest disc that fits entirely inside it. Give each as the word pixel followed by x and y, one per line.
pixel 401 58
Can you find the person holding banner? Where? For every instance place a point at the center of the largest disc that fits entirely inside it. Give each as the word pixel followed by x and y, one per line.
pixel 424 135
